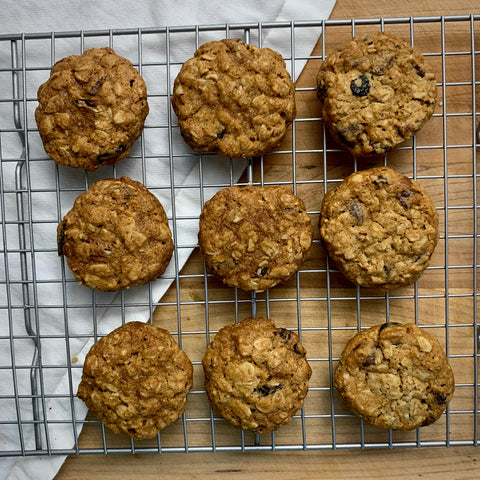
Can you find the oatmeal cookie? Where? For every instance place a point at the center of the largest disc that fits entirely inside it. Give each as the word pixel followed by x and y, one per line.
pixel 136 380
pixel 91 109
pixel 254 237
pixel 395 376
pixel 116 236
pixel 379 227
pixel 256 375
pixel 376 92
pixel 234 99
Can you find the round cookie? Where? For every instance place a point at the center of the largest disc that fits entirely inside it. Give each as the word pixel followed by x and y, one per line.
pixel 234 99
pixel 379 227
pixel 376 91
pixel 91 109
pixel 116 236
pixel 256 375
pixel 254 237
pixel 136 380
pixel 395 376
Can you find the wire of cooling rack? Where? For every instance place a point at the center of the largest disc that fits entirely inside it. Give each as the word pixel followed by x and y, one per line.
pixel 317 302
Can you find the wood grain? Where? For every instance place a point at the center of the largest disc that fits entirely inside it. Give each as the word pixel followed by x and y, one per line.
pixel 312 175
pixel 402 464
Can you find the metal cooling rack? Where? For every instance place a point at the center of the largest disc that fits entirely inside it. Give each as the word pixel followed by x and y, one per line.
pixel 317 302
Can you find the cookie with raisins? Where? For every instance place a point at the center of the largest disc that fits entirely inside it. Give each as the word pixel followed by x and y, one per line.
pixel 379 227
pixel 136 380
pixel 116 236
pixel 234 99
pixel 395 376
pixel 255 237
pixel 91 109
pixel 256 374
pixel 376 92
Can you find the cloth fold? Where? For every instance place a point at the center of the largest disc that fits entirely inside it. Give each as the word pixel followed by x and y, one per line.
pixel 63 313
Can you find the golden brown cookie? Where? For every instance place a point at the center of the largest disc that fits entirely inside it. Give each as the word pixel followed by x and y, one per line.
pixel 395 376
pixel 136 380
pixel 234 99
pixel 254 237
pixel 91 109
pixel 379 227
pixel 256 375
pixel 116 236
pixel 376 91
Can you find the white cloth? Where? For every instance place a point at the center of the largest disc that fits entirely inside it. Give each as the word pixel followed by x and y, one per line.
pixel 85 310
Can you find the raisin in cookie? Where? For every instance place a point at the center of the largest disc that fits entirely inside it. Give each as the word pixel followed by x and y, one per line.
pixel 116 236
pixel 136 380
pixel 256 375
pixel 234 99
pixel 91 109
pixel 379 227
pixel 254 237
pixel 395 376
pixel 376 92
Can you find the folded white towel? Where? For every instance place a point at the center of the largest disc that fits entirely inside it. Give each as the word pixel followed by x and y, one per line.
pixel 177 184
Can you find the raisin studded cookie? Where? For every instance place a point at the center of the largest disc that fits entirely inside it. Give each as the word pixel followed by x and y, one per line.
pixel 376 92
pixel 395 376
pixel 379 227
pixel 234 99
pixel 136 380
pixel 254 237
pixel 116 236
pixel 91 109
pixel 256 375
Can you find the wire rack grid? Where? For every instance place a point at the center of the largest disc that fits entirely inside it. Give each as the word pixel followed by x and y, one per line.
pixel 47 317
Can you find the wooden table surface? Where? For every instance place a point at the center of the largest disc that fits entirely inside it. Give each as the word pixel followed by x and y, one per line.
pixel 406 463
